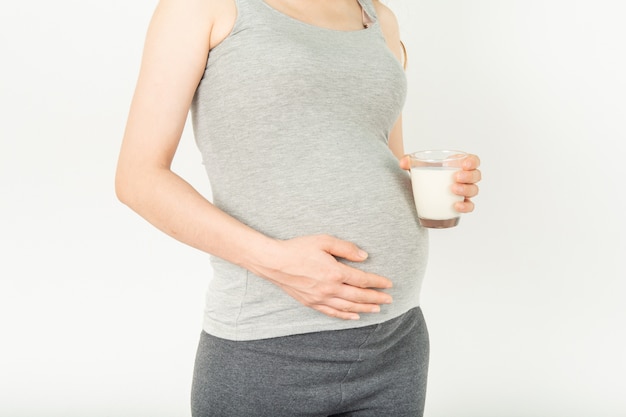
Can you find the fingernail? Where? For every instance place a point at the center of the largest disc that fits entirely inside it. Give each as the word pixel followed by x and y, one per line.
pixel 357 317
pixel 362 254
pixel 376 309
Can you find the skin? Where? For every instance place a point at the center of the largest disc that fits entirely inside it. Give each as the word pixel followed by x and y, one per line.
pixel 306 268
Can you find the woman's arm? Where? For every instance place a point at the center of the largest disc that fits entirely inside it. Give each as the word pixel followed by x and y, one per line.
pixel 391 32
pixel 175 52
pixel 470 174
pixel 179 38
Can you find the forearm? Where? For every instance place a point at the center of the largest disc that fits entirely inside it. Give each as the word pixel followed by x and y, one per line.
pixel 172 205
pixel 303 267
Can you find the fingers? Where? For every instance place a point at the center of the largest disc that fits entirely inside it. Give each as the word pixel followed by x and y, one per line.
pixel 465 190
pixel 344 301
pixel 341 306
pixel 464 206
pixel 465 186
pixel 363 296
pixel 345 310
pixel 468 191
pixel 360 279
pixel 314 277
pixel 333 312
pixel 471 162
pixel 468 177
pixel 357 296
pixel 352 292
pixel 405 163
pixel 342 249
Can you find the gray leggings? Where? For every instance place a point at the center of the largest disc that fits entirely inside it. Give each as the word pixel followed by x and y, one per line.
pixel 377 370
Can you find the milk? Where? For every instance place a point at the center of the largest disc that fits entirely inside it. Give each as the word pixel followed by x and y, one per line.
pixel 432 190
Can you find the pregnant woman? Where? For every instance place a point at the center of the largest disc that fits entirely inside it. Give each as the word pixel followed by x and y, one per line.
pixel 316 251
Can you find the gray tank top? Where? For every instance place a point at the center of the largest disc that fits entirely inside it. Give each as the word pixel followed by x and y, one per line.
pixel 292 121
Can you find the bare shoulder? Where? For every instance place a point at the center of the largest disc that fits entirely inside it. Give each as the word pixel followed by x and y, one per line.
pixel 386 17
pixel 215 18
pixel 389 25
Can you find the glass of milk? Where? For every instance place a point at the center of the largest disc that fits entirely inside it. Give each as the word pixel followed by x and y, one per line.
pixel 432 178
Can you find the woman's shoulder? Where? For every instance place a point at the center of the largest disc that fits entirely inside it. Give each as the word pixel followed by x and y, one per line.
pixel 391 31
pixel 216 18
pixel 386 16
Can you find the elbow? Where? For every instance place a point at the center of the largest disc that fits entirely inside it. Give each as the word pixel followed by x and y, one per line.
pixel 136 181
pixel 123 189
pixel 120 190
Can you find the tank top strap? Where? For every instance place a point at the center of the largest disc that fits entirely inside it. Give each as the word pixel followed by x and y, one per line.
pixel 247 11
pixel 369 10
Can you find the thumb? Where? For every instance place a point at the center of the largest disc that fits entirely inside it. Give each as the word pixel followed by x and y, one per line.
pixel 405 162
pixel 344 249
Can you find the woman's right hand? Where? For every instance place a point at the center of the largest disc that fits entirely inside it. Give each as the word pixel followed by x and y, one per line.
pixel 306 269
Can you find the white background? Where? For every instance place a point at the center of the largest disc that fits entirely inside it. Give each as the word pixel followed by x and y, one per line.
pixel 100 313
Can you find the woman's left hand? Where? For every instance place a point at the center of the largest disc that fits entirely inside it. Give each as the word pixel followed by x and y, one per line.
pixel 466 180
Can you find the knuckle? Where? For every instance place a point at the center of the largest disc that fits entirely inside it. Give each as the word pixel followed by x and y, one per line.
pixel 335 275
pixel 364 281
pixel 325 239
pixel 325 291
pixel 321 309
pixel 360 298
pixel 311 302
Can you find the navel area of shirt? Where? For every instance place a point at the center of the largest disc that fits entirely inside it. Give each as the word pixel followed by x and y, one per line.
pixel 292 123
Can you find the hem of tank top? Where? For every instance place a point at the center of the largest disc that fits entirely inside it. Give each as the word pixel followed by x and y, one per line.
pixel 236 334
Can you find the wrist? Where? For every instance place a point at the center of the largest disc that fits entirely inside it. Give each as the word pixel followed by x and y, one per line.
pixel 261 255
